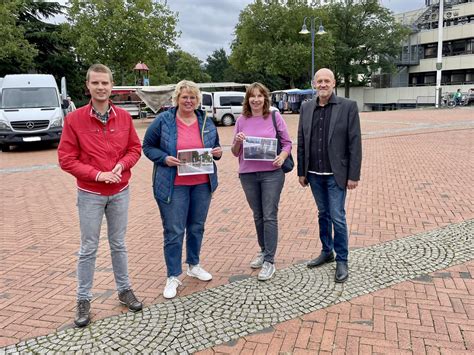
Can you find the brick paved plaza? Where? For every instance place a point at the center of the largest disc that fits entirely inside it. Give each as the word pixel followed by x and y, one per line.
pixel 411 288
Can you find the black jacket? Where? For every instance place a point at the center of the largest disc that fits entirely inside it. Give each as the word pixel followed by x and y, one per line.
pixel 344 141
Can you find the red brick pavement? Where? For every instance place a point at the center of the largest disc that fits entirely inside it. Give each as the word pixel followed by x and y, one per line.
pixel 433 316
pixel 416 176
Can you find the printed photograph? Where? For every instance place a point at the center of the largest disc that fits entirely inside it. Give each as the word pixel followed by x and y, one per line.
pixel 195 161
pixel 258 148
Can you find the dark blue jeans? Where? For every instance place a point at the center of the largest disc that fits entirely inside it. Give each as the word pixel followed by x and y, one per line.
pixel 262 190
pixel 330 199
pixel 186 212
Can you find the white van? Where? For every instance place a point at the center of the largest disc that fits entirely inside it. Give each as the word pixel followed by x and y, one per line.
pixel 223 106
pixel 31 109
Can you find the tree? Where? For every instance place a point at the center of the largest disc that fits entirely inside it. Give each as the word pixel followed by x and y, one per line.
pixel 217 65
pixel 55 55
pixel 366 38
pixel 16 53
pixel 182 65
pixel 267 41
pixel 46 48
pixel 120 33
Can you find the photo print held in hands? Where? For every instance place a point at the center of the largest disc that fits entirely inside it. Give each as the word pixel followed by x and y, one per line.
pixel 195 161
pixel 258 148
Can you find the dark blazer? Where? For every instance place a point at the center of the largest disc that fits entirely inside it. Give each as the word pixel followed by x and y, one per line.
pixel 344 141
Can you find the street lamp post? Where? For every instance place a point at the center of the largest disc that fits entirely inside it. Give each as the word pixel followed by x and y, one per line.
pixel 304 31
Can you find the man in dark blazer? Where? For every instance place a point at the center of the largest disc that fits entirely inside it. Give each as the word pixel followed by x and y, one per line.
pixel 329 160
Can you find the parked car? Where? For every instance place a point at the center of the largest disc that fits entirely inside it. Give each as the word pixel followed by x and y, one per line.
pixel 31 109
pixel 223 106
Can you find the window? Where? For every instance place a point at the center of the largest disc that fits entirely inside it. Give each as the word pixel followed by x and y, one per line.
pixel 231 100
pixel 206 100
pixel 459 47
pixel 29 98
pixel 431 50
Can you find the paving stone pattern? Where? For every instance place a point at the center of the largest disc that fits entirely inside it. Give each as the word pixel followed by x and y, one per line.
pixel 231 311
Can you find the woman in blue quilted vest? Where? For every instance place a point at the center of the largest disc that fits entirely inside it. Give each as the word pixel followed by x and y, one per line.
pixel 184 178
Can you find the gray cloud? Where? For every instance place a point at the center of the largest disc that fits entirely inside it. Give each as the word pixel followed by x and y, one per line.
pixel 207 25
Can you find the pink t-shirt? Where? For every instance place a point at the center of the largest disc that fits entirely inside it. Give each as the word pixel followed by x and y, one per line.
pixel 189 138
pixel 257 126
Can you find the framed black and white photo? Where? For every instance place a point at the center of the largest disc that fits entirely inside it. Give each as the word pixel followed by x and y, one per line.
pixel 258 148
pixel 195 161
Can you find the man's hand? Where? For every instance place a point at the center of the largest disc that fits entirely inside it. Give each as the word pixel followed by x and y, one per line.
pixel 351 184
pixel 109 177
pixel 172 161
pixel 303 181
pixel 117 170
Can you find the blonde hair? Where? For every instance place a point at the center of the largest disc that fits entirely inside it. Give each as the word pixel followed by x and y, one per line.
pixel 99 68
pixel 187 85
pixel 246 110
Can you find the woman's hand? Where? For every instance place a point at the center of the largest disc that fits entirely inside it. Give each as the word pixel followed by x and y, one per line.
pixel 239 137
pixel 172 161
pixel 280 159
pixel 216 152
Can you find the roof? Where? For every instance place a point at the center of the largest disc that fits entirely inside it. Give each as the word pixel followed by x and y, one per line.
pixel 141 66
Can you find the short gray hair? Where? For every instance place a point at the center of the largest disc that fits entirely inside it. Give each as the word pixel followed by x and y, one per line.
pixel 190 86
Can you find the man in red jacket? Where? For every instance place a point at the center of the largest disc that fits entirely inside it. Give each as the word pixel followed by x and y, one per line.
pixel 99 146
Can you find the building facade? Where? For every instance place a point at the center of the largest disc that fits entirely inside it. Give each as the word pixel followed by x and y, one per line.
pixel 413 83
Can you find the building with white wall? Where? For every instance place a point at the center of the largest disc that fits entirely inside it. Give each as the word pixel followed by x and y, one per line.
pixel 415 79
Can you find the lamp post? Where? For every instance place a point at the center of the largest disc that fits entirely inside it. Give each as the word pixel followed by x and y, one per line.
pixel 304 31
pixel 439 57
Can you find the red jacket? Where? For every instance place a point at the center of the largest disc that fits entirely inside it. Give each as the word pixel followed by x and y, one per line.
pixel 87 147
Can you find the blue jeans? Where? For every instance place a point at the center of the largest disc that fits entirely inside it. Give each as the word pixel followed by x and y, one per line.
pixel 186 212
pixel 262 190
pixel 330 199
pixel 92 208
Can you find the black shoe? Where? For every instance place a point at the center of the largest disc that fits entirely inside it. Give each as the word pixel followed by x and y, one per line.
pixel 128 298
pixel 83 316
pixel 321 260
pixel 342 271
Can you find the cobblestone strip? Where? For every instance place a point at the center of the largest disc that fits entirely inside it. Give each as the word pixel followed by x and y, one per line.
pixel 228 312
pixel 23 169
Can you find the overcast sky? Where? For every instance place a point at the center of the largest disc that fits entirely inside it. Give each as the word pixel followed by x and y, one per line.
pixel 207 25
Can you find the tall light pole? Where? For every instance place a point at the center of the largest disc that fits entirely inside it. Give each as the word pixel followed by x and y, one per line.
pixel 304 31
pixel 439 57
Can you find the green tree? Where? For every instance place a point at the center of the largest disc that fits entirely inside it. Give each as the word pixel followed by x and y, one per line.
pixel 182 65
pixel 366 38
pixel 267 41
pixel 16 53
pixel 120 33
pixel 56 55
pixel 48 49
pixel 218 65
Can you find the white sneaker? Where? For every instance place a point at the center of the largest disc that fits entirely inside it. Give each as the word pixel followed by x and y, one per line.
pixel 257 262
pixel 172 284
pixel 198 272
pixel 268 269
